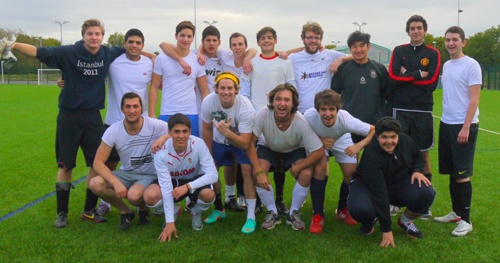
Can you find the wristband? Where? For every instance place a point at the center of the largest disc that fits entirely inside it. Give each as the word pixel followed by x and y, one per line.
pixel 189 187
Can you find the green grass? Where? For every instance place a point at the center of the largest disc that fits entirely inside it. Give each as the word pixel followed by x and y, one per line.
pixel 28 170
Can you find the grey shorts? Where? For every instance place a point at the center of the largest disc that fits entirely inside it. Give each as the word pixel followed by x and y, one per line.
pixel 129 178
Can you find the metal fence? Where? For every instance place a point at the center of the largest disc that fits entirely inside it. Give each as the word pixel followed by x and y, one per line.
pixel 491 77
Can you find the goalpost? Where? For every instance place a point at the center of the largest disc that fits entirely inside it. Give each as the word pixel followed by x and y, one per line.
pixel 48 76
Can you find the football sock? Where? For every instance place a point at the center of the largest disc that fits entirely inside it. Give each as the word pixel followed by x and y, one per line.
pixel 218 202
pixel 251 208
pixel 318 190
pixel 201 207
pixel 454 196
pixel 279 182
pixel 104 202
pixel 299 195
pixel 239 181
pixel 405 220
pixel 343 194
pixel 464 199
pixel 230 191
pixel 62 194
pixel 267 198
pixel 90 200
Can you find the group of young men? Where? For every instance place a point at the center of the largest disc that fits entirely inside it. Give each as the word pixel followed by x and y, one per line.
pixel 275 112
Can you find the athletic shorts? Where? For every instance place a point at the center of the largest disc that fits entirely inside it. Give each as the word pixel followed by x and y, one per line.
pixel 77 129
pixel 194 123
pixel 113 156
pixel 338 150
pixel 454 158
pixel 223 154
pixel 192 196
pixel 357 138
pixel 280 160
pixel 129 178
pixel 418 125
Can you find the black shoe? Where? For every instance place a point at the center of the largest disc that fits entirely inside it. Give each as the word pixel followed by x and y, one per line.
pixel 410 229
pixel 126 220
pixel 366 229
pixel 282 210
pixel 92 215
pixel 233 205
pixel 143 217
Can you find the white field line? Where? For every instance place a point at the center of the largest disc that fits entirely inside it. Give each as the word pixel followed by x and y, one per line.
pixel 497 133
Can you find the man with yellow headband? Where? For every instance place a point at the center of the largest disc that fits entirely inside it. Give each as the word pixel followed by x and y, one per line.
pixel 227 129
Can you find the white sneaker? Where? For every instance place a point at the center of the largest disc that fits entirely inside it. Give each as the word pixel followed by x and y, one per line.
pixel 394 210
pixel 426 216
pixel 449 218
pixel 462 229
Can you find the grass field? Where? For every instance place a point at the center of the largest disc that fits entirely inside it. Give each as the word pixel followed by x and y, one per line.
pixel 28 170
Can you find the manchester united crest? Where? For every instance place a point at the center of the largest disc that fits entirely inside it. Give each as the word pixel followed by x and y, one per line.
pixel 424 62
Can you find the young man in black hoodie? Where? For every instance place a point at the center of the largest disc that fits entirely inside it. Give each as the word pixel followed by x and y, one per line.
pixel 84 66
pixel 390 173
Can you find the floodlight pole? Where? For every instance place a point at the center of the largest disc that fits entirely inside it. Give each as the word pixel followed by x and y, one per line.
pixel 2 71
pixel 336 43
pixel 360 25
pixel 210 24
pixel 195 35
pixel 458 14
pixel 61 25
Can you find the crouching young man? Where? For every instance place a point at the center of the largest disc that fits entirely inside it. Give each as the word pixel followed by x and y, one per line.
pixel 390 173
pixel 185 168
pixel 132 138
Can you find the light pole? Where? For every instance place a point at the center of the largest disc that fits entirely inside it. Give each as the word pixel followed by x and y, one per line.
pixel 434 43
pixel 336 43
pixel 61 24
pixel 195 35
pixel 459 11
pixel 210 24
pixel 360 25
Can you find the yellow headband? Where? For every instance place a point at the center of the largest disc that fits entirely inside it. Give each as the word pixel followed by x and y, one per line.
pixel 227 76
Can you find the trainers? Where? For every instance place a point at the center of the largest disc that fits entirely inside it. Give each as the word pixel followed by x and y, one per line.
pixel 92 215
pixel 177 212
pixel 189 206
pixel 62 220
pixel 410 229
pixel 143 217
pixel 104 208
pixel 272 219
pixel 259 208
pixel 295 221
pixel 462 229
pixel 281 207
pixel 242 201
pixel 317 224
pixel 126 220
pixel 449 218
pixel 215 215
pixel 249 226
pixel 426 216
pixel 233 205
pixel 394 210
pixel 158 212
pixel 343 215
pixel 196 223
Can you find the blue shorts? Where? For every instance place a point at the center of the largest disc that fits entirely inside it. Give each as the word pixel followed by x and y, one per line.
pixel 194 123
pixel 223 154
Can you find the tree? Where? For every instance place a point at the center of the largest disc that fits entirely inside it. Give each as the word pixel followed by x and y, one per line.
pixel 485 46
pixel 430 39
pixel 116 39
pixel 330 46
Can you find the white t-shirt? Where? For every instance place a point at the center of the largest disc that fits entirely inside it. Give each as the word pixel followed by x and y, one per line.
pixel 265 76
pixel 299 134
pixel 228 64
pixel 458 76
pixel 241 115
pixel 178 95
pixel 194 161
pixel 344 124
pixel 312 75
pixel 214 66
pixel 135 150
pixel 125 76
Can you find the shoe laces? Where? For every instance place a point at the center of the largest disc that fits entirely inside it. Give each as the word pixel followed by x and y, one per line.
pixel 270 215
pixel 296 215
pixel 412 227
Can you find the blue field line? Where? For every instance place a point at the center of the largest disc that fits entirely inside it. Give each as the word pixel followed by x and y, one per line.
pixel 9 215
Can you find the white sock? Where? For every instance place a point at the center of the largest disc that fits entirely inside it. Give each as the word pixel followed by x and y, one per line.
pixel 230 191
pixel 201 207
pixel 188 200
pixel 299 195
pixel 405 219
pixel 251 203
pixel 104 202
pixel 267 198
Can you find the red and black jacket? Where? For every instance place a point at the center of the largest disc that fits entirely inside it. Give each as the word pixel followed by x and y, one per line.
pixel 409 90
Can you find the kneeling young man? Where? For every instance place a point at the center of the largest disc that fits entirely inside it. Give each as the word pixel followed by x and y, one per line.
pixel 185 168
pixel 331 123
pixel 132 138
pixel 390 173
pixel 285 133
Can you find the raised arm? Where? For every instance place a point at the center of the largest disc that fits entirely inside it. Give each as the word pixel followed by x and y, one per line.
pixel 170 51
pixel 25 49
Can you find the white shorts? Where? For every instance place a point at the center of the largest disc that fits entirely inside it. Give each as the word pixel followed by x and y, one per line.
pixel 338 150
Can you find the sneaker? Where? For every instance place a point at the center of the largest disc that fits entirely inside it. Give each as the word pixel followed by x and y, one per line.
pixel 343 215
pixel 272 219
pixel 249 226
pixel 189 206
pixel 449 218
pixel 317 224
pixel 92 215
pixel 366 229
pixel 259 208
pixel 242 201
pixel 126 220
pixel 104 208
pixel 143 217
pixel 295 221
pixel 233 205
pixel 394 210
pixel 62 220
pixel 426 216
pixel 462 229
pixel 281 207
pixel 158 212
pixel 196 223
pixel 177 212
pixel 410 229
pixel 215 215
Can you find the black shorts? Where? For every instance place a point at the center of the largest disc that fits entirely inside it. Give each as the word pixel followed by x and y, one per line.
pixel 78 129
pixel 418 125
pixel 280 160
pixel 192 196
pixel 456 159
pixel 113 156
pixel 357 138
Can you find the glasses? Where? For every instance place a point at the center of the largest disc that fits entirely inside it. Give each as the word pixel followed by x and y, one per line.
pixel 313 38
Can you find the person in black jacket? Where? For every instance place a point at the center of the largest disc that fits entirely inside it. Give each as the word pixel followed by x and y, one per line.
pixel 390 172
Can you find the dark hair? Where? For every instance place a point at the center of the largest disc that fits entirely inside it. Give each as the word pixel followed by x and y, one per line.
pixel 327 97
pixel 456 30
pixel 235 35
pixel 266 30
pixel 178 118
pixel 281 87
pixel 358 36
pixel 415 18
pixel 183 25
pixel 90 23
pixel 130 95
pixel 210 31
pixel 134 32
pixel 313 27
pixel 387 124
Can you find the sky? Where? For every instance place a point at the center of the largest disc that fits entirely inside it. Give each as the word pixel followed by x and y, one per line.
pixel 157 19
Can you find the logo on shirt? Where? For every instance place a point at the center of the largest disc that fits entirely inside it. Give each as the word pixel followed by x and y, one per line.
pixel 138 161
pixel 424 62
pixel 183 172
pixel 362 80
pixel 219 116
pixel 190 161
pixel 373 74
pixel 318 75
pixel 212 72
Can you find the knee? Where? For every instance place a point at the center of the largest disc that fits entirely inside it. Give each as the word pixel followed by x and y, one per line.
pixel 207 195
pixel 134 197
pixel 305 176
pixel 152 195
pixel 97 184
